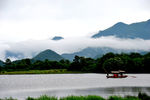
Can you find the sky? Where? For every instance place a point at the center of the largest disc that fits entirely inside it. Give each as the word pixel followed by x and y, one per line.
pixel 26 26
pixel 41 19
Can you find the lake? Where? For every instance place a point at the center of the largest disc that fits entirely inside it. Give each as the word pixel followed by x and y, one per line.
pixel 22 86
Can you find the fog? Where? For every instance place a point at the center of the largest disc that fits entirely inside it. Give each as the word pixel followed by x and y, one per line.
pixel 30 48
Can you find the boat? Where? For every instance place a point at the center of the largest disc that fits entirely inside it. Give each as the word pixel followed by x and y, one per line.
pixel 117 74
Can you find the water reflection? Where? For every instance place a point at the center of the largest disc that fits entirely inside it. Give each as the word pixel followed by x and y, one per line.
pixel 60 85
pixel 104 92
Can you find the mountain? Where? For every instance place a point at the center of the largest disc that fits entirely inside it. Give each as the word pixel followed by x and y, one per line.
pixel 48 54
pixel 56 38
pixel 89 52
pixel 13 55
pixel 96 52
pixel 122 30
pixel 1 63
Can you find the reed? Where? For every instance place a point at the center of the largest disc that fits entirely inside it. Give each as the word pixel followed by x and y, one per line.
pixel 141 96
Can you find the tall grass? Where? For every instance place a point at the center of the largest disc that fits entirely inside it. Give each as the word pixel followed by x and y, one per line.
pixel 141 96
pixel 44 97
pixel 89 97
pixel 123 98
pixel 8 99
pixel 51 71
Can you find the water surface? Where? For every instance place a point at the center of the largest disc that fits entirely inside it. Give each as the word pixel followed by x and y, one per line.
pixel 22 86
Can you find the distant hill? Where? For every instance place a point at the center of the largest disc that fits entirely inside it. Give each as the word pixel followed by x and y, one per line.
pixel 97 52
pixel 14 54
pixel 57 38
pixel 48 54
pixel 89 52
pixel 1 63
pixel 122 30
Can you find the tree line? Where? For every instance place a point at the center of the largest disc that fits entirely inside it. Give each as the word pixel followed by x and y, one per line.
pixel 131 63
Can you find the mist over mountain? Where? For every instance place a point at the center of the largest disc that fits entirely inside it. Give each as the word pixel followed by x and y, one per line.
pixel 93 47
pixel 49 55
pixel 94 52
pixel 13 55
pixel 122 30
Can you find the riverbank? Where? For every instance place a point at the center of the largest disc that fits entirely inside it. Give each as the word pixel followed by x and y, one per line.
pixel 52 71
pixel 141 96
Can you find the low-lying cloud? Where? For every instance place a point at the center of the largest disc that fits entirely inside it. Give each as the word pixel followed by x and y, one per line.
pixel 69 45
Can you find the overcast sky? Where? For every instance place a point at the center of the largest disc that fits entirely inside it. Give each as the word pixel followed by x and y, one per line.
pixel 41 19
pixel 26 26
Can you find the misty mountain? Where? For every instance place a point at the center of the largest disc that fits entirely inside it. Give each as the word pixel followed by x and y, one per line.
pixel 13 55
pixel 97 52
pixel 56 38
pixel 48 54
pixel 89 52
pixel 1 63
pixel 122 30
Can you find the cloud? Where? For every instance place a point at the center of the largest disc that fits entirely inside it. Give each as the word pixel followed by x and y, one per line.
pixel 38 19
pixel 69 45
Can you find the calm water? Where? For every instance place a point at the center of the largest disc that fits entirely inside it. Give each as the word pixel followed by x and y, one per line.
pixel 22 86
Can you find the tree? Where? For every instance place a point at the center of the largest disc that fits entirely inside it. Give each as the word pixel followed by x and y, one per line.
pixel 146 62
pixel 115 63
pixel 8 61
pixel 135 55
pixel 8 65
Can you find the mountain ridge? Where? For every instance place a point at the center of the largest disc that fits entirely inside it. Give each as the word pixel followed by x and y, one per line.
pixel 95 52
pixel 48 54
pixel 123 30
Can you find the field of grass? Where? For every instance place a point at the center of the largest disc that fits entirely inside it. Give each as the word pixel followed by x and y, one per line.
pixel 52 71
pixel 89 97
pixel 141 96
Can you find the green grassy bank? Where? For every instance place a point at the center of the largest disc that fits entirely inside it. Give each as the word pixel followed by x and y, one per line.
pixel 141 96
pixel 52 71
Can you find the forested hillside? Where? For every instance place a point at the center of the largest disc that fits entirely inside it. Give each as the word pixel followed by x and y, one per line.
pixel 131 63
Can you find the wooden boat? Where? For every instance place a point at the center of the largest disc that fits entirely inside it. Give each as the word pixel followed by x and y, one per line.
pixel 117 74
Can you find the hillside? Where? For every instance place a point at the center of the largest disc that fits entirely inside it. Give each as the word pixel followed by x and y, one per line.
pixel 1 63
pixel 97 52
pixel 48 54
pixel 122 30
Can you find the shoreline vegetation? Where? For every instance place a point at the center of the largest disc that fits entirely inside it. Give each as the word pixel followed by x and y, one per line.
pixel 131 63
pixel 52 71
pixel 141 96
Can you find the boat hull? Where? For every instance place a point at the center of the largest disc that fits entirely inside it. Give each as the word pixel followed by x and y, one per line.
pixel 124 76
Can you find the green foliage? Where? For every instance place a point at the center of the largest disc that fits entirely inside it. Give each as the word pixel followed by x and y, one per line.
pixel 115 63
pixel 44 97
pixel 123 98
pixel 52 71
pixel 131 63
pixel 89 97
pixel 141 96
pixel 8 61
pixel 10 98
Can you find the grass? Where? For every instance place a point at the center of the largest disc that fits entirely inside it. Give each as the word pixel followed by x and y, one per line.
pixel 141 96
pixel 52 71
pixel 8 99
pixel 44 97
pixel 123 98
pixel 89 97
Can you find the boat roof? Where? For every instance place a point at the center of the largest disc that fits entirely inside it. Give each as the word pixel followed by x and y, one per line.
pixel 117 72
